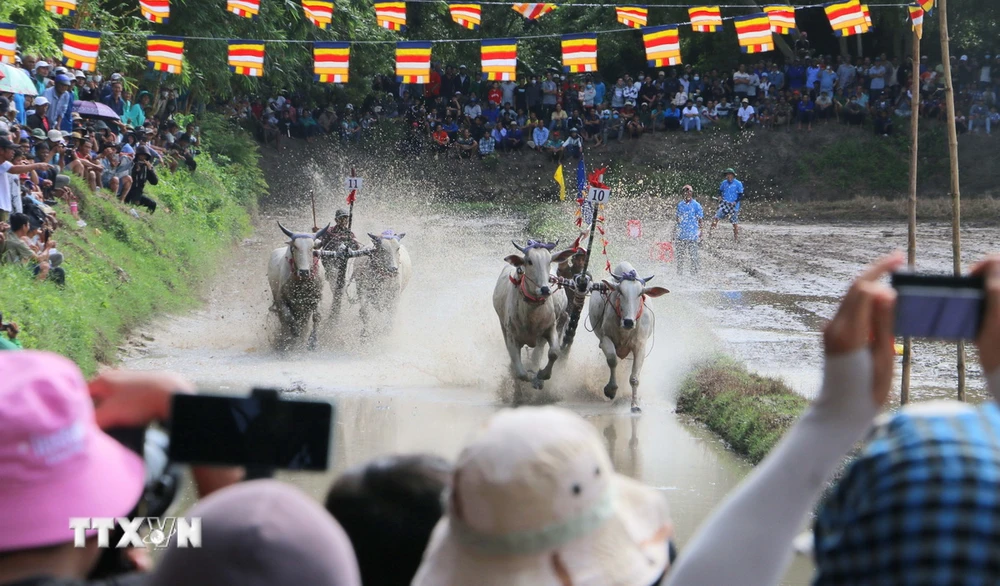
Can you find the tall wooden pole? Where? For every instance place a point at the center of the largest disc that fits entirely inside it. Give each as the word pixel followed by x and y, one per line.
pixel 911 230
pixel 956 195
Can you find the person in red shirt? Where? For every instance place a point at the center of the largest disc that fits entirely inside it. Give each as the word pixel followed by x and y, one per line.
pixel 441 140
pixel 495 95
pixel 432 89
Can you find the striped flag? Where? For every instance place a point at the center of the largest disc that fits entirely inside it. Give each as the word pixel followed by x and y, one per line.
pixel 331 62
pixel 413 62
pixel 391 15
pixel 633 16
pixel 244 8
pixel 782 19
pixel 533 11
pixel 846 18
pixel 499 59
pixel 927 5
pixel 61 7
pixel 663 45
pixel 165 53
pixel 868 15
pixel 157 11
pixel 468 15
pixel 246 58
pixel 80 49
pixel 754 33
pixel 318 12
pixel 8 42
pixel 916 17
pixel 705 19
pixel 579 52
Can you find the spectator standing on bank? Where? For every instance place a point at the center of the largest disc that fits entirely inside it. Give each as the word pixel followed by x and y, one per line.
pixel 687 232
pixel 731 192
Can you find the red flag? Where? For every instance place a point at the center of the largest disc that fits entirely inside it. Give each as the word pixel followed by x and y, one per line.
pixel 597 178
pixel 351 197
pixel 607 265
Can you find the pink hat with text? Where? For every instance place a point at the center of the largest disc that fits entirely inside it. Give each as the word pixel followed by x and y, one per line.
pixel 55 463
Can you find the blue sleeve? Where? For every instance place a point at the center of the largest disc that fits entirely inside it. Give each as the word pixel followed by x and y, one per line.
pixel 701 213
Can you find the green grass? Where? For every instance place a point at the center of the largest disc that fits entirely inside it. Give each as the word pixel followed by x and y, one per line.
pixel 121 270
pixel 750 412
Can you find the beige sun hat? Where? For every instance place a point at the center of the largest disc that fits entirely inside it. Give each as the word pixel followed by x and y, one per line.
pixel 536 502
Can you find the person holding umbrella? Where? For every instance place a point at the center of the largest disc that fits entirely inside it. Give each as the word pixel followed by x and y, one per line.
pixel 731 191
pixel 142 171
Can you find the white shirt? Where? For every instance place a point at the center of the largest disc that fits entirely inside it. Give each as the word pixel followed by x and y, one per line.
pixel 746 112
pixel 5 200
pixel 691 112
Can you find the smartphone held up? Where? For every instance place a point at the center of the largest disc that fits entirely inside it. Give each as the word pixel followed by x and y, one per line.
pixel 939 307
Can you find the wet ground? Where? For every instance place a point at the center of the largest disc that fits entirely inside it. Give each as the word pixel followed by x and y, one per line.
pixel 441 369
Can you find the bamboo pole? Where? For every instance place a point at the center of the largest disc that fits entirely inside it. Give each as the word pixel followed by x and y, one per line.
pixel 956 195
pixel 911 230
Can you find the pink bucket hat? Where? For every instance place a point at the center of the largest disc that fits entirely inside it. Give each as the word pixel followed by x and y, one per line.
pixel 55 463
pixel 536 502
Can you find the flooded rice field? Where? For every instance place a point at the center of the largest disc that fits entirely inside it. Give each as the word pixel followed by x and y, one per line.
pixel 425 383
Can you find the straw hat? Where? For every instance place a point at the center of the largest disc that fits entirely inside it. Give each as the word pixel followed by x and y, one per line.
pixel 536 502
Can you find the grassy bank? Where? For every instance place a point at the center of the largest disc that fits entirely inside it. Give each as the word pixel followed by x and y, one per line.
pixel 122 270
pixel 750 412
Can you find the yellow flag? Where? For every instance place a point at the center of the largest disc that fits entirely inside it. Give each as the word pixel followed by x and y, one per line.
pixel 562 182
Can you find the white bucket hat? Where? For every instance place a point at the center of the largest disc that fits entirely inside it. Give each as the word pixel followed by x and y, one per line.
pixel 536 502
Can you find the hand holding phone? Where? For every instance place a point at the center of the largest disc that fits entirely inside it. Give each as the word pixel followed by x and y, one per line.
pixel 989 332
pixel 939 307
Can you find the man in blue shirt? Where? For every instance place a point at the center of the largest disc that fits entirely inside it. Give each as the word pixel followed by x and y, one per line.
pixel 687 232
pixel 731 191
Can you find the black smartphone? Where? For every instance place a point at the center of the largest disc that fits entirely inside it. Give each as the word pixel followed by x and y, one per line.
pixel 261 431
pixel 939 307
pixel 133 438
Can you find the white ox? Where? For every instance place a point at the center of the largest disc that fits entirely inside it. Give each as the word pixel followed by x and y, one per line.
pixel 622 325
pixel 296 277
pixel 382 274
pixel 530 309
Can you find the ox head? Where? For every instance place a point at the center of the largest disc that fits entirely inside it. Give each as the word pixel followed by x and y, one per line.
pixel 533 265
pixel 301 246
pixel 386 256
pixel 631 288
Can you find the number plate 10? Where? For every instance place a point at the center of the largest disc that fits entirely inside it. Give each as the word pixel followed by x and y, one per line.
pixel 599 195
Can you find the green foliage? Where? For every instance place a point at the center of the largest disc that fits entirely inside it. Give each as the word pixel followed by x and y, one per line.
pixel 122 270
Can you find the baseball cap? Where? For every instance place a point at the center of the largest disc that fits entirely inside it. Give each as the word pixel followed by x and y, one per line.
pixel 54 460
pixel 687 188
pixel 537 480
pixel 41 64
pixel 41 101
pixel 964 58
pixel 63 78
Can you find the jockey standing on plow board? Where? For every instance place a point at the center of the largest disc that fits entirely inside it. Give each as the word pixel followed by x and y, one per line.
pixel 333 238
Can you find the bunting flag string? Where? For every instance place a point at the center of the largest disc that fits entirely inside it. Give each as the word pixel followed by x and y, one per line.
pixel 633 16
pixel 533 11
pixel 663 45
pixel 754 33
pixel 927 5
pixel 318 12
pixel 61 7
pixel 331 62
pixel 579 52
pixel 917 18
pixel 846 18
pixel 868 15
pixel 705 19
pixel 246 58
pixel 157 11
pixel 782 19
pixel 391 15
pixel 244 8
pixel 469 16
pixel 413 61
pixel 8 42
pixel 80 49
pixel 499 59
pixel 165 53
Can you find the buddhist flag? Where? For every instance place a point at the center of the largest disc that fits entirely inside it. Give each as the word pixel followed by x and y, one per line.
pixel 868 15
pixel 165 53
pixel 318 12
pixel 561 181
pixel 705 19
pixel 468 15
pixel 413 62
pixel 80 49
pixel 8 42
pixel 499 59
pixel 331 62
pixel 246 58
pixel 533 11
pixel 916 17
pixel 579 52
pixel 782 19
pixel 391 15
pixel 244 8
pixel 61 7
pixel 633 16
pixel 754 33
pixel 927 5
pixel 663 45
pixel 157 11
pixel 846 18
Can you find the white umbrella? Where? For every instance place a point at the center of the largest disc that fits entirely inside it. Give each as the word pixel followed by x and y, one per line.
pixel 16 81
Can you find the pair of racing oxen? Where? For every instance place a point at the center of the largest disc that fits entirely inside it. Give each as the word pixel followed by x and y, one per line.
pixel 296 275
pixel 532 305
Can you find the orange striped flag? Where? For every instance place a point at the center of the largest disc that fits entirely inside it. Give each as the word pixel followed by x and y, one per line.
pixel 782 19
pixel 868 15
pixel 165 53
pixel 633 16
pixel 8 42
pixel 61 7
pixel 579 52
pixel 318 12
pixel 157 11
pixel 468 15
pixel 244 8
pixel 413 62
pixel 917 18
pixel 927 5
pixel 391 15
pixel 705 19
pixel 663 45
pixel 246 58
pixel 846 18
pixel 331 62
pixel 533 11
pixel 80 49
pixel 499 58
pixel 754 33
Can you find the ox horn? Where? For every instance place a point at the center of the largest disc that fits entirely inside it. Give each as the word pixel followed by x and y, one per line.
pixel 647 279
pixel 615 277
pixel 523 250
pixel 286 231
pixel 321 232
